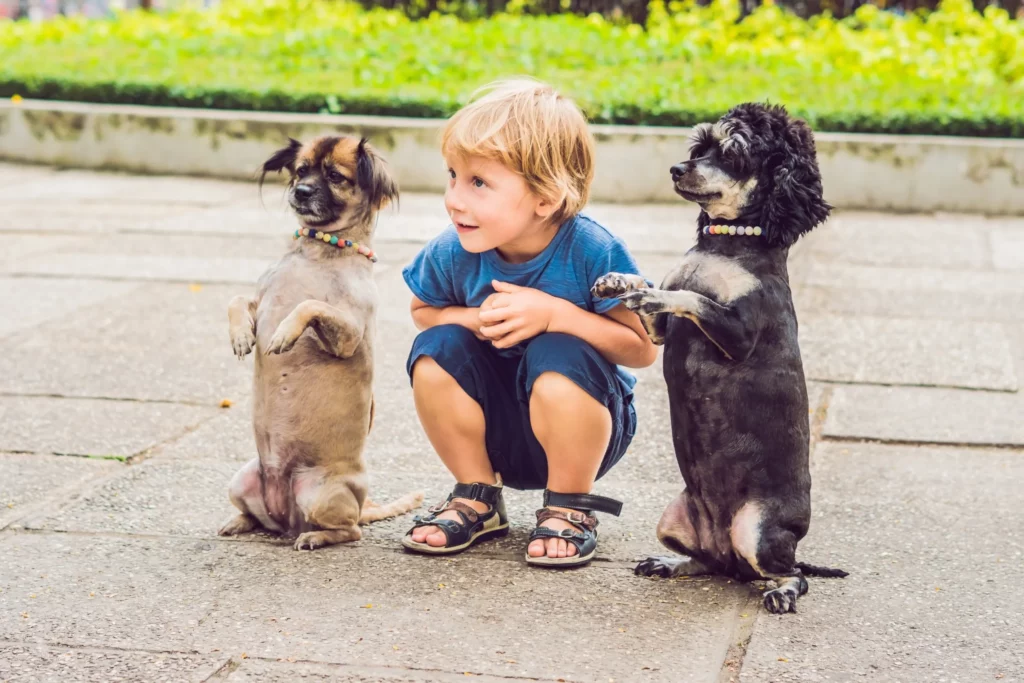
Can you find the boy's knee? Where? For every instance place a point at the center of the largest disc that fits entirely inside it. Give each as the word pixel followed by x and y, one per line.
pixel 427 374
pixel 438 347
pixel 553 389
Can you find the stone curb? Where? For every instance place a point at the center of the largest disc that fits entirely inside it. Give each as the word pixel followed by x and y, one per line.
pixel 873 172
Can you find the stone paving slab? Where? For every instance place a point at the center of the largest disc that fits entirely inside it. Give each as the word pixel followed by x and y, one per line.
pixel 1008 249
pixel 140 257
pixel 926 415
pixel 43 424
pixel 374 608
pixel 165 342
pixel 13 174
pixel 907 351
pixel 264 671
pixel 903 241
pixel 27 302
pixel 933 591
pixel 963 295
pixel 41 664
pixel 27 480
pixel 19 247
pixel 189 498
pixel 86 187
pixel 77 219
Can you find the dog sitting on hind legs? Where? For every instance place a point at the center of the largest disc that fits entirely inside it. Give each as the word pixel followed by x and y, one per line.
pixel 737 394
pixel 312 325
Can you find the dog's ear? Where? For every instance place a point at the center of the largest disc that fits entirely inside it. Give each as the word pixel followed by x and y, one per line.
pixel 794 204
pixel 373 177
pixel 281 159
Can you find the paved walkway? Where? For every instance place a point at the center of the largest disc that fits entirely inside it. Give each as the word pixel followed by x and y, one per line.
pixel 116 454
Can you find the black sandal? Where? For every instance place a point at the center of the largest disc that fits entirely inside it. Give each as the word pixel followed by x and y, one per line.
pixel 581 516
pixel 473 527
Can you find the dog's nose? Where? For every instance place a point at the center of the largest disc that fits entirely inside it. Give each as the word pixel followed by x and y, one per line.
pixel 304 191
pixel 678 170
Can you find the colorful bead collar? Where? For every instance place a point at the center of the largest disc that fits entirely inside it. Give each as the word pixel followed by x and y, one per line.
pixel 333 240
pixel 732 230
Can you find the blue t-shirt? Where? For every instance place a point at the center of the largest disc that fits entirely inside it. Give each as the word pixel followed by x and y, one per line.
pixel 444 274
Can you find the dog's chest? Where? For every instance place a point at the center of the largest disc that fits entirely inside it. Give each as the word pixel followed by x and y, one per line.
pixel 719 278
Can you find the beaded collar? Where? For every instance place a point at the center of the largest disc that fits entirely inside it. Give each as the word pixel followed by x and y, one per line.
pixel 328 238
pixel 732 230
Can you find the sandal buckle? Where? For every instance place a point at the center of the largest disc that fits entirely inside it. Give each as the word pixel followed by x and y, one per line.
pixel 576 517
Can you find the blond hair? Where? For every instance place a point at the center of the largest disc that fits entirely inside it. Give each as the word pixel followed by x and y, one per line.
pixel 532 130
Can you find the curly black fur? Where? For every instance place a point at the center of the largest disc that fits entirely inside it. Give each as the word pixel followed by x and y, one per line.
pixel 780 152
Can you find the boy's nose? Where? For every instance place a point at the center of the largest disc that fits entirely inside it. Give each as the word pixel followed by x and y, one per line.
pixel 453 202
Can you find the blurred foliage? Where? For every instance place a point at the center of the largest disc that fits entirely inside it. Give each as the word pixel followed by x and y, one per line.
pixel 953 71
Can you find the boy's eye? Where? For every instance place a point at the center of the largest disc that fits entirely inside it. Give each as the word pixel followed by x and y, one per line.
pixel 451 173
pixel 478 182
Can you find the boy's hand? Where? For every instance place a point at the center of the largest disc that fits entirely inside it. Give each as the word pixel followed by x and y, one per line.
pixel 514 314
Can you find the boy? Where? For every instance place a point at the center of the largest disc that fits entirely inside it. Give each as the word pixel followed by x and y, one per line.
pixel 515 374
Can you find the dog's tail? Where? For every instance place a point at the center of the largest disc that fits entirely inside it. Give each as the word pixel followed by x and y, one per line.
pixel 373 512
pixel 824 572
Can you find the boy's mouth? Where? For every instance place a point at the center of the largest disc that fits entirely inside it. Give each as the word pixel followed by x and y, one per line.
pixel 464 228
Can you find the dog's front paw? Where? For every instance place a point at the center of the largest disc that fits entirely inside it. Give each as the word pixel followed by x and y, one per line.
pixel 285 336
pixel 242 341
pixel 239 524
pixel 780 601
pixel 617 284
pixel 665 567
pixel 645 302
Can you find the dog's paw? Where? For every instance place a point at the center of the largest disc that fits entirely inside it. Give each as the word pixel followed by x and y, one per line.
pixel 665 567
pixel 284 337
pixel 242 342
pixel 644 302
pixel 311 540
pixel 780 601
pixel 239 524
pixel 617 284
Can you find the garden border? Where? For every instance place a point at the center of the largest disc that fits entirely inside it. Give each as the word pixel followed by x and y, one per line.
pixel 861 171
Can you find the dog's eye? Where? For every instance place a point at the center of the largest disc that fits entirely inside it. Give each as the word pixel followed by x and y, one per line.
pixel 335 177
pixel 301 172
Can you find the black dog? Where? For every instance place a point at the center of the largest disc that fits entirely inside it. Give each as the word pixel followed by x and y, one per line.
pixel 732 361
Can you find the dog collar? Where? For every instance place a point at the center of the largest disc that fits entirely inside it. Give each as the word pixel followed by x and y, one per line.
pixel 328 238
pixel 732 230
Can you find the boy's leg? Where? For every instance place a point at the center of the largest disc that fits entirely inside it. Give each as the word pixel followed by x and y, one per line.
pixel 579 418
pixel 451 409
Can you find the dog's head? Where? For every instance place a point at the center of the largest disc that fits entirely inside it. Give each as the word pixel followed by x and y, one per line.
pixel 336 182
pixel 759 165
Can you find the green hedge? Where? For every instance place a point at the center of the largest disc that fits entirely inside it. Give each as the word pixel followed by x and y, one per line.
pixel 952 72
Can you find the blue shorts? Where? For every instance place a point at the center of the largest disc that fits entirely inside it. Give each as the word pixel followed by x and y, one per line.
pixel 501 385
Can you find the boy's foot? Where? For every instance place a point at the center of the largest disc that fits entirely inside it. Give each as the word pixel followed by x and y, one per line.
pixel 472 513
pixel 433 536
pixel 553 547
pixel 566 532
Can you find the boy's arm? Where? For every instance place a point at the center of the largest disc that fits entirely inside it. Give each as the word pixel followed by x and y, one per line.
pixel 618 335
pixel 425 316
pixel 520 313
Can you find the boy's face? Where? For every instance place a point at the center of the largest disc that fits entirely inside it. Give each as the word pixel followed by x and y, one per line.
pixel 491 206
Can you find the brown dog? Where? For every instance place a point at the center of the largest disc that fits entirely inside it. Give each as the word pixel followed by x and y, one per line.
pixel 312 324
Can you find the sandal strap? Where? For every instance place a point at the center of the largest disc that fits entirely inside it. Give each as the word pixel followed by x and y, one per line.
pixel 568 534
pixel 483 493
pixel 575 517
pixel 584 502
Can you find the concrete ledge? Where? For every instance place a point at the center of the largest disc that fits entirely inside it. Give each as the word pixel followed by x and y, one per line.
pixel 877 172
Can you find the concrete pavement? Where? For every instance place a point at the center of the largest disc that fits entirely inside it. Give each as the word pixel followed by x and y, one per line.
pixel 115 454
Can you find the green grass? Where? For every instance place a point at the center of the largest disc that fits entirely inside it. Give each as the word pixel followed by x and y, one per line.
pixel 951 72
